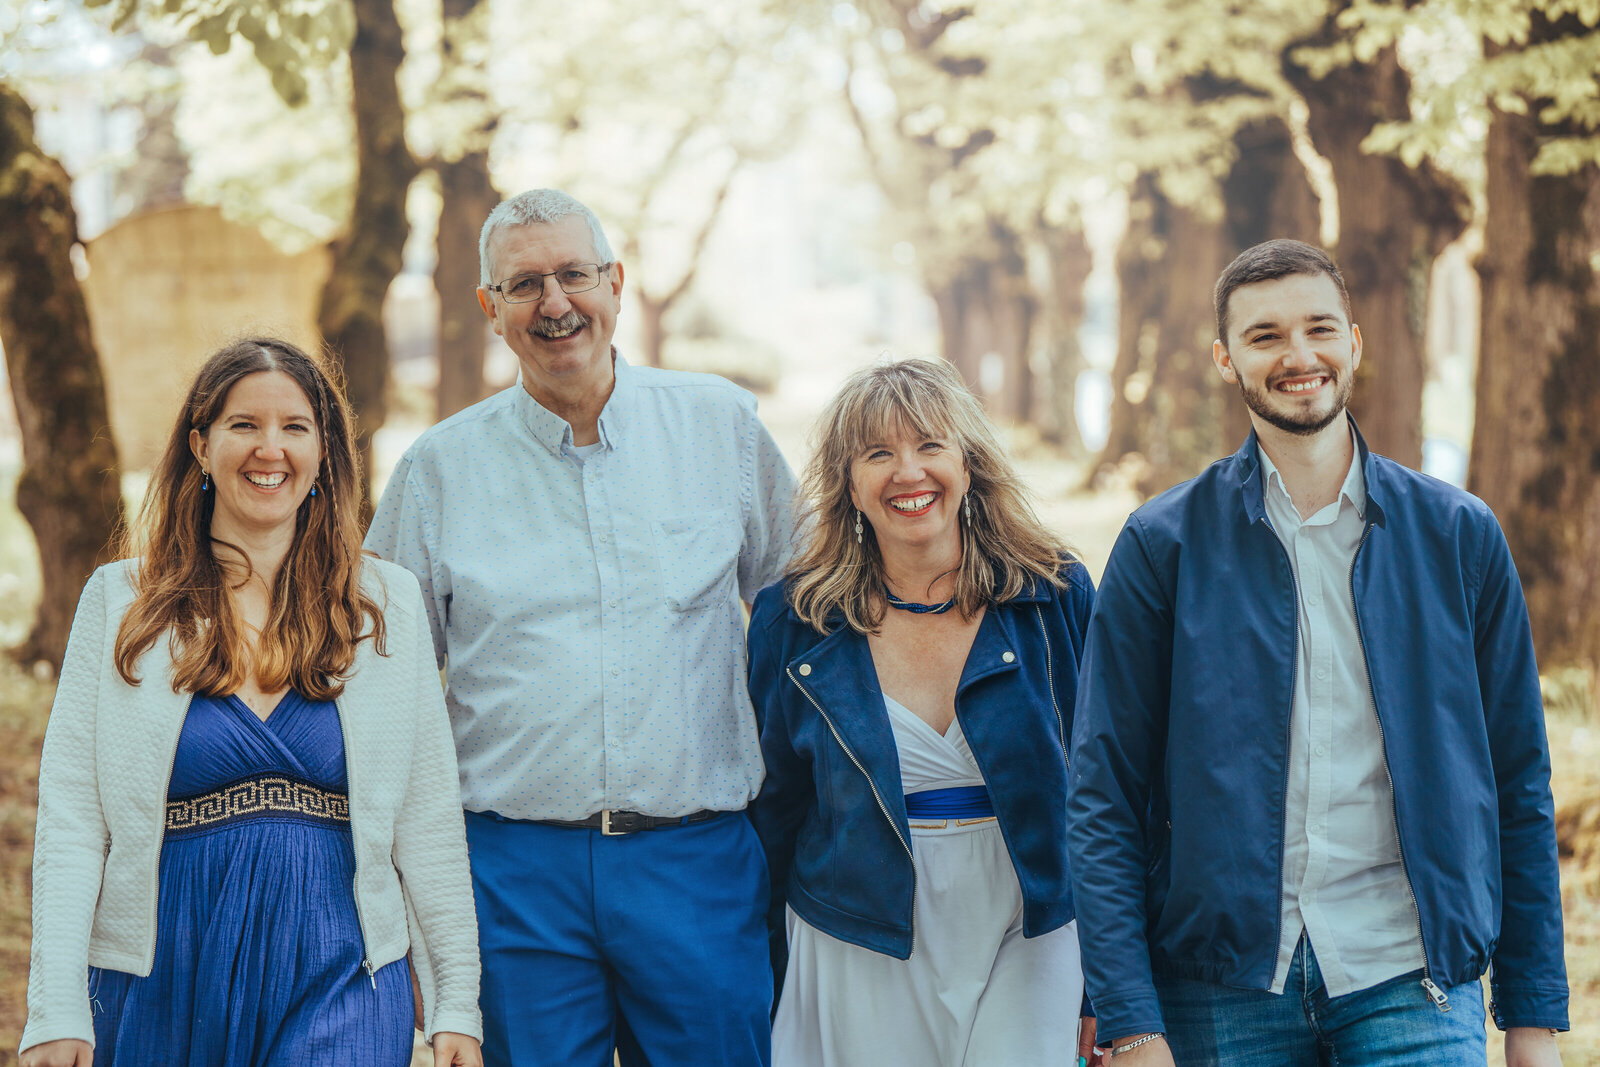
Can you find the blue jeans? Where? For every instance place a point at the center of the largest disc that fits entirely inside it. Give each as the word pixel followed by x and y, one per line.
pixel 1391 1024
pixel 653 943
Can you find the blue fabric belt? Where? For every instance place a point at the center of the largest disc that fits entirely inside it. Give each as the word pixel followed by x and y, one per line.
pixel 960 802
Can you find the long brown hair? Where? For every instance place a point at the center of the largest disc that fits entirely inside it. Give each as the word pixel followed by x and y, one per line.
pixel 319 612
pixel 1004 548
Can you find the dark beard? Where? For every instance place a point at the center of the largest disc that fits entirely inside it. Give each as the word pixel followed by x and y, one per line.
pixel 1304 425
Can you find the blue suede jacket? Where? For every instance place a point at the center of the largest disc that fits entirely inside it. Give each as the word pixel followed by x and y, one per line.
pixel 832 815
pixel 1180 748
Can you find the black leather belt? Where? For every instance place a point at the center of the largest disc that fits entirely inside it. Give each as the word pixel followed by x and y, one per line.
pixel 615 823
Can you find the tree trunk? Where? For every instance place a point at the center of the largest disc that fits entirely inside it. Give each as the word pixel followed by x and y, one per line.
pixel 1070 262
pixel 952 300
pixel 986 316
pixel 1266 195
pixel 1393 221
pixel 654 305
pixel 1536 436
pixel 467 198
pixel 367 258
pixel 155 177
pixel 69 491
pixel 1012 308
pixel 1167 399
pixel 651 334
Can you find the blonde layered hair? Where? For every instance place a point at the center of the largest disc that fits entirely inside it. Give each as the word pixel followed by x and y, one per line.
pixel 1004 549
pixel 319 612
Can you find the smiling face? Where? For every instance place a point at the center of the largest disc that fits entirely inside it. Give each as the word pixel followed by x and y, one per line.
pixel 909 486
pixel 1292 351
pixel 562 340
pixel 262 454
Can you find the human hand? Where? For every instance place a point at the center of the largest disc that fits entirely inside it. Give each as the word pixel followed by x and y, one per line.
pixel 68 1052
pixel 1150 1054
pixel 1087 1053
pixel 456 1050
pixel 1531 1046
pixel 416 995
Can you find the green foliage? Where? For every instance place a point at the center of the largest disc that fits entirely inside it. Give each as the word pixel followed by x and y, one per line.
pixel 645 111
pixel 288 171
pixel 1527 65
pixel 445 81
pixel 1015 113
pixel 289 37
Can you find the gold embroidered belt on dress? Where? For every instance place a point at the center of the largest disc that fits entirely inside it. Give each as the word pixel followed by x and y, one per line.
pixel 256 797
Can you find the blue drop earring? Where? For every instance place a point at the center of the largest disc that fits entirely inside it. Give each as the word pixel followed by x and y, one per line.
pixel 313 488
pixel 205 479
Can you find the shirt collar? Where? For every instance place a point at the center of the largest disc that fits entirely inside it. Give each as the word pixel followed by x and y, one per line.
pixel 1354 488
pixel 552 431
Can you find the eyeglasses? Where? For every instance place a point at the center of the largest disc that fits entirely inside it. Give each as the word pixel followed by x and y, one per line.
pixel 577 278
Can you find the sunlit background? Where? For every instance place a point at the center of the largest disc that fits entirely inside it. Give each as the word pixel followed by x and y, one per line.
pixel 1040 191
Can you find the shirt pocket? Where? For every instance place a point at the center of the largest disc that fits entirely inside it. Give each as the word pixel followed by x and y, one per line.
pixel 697 556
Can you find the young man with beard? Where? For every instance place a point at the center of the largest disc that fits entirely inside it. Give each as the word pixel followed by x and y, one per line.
pixel 583 540
pixel 1310 801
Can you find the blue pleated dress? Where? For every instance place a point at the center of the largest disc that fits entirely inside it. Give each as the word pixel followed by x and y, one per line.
pixel 259 955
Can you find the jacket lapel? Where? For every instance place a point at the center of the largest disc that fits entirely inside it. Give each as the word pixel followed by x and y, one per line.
pixel 837 674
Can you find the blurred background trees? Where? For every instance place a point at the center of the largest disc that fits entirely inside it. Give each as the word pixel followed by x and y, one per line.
pixel 1042 191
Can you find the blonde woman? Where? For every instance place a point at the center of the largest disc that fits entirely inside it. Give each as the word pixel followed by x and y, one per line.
pixel 248 809
pixel 914 677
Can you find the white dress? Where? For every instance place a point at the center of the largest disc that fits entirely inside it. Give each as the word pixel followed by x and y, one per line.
pixel 975 992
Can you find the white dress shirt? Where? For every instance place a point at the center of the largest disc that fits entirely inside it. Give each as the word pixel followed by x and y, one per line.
pixel 587 602
pixel 1343 882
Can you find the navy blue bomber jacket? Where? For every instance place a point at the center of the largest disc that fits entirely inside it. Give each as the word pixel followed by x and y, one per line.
pixel 831 814
pixel 1180 747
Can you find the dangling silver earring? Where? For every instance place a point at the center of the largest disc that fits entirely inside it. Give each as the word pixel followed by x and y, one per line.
pixel 966 506
pixel 205 479
pixel 858 526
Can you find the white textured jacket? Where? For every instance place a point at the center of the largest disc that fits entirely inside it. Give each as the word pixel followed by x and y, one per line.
pixel 108 753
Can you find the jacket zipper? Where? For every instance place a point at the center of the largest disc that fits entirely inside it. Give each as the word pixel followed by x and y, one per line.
pixel 1288 732
pixel 1435 994
pixel 161 837
pixel 875 796
pixel 1050 676
pixel 355 885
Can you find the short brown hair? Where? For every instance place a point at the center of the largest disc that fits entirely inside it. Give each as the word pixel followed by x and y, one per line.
pixel 1268 261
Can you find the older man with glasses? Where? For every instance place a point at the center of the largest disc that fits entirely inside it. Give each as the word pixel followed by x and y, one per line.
pixel 584 540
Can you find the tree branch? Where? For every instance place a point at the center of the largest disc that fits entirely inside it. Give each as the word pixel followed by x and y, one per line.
pixel 699 247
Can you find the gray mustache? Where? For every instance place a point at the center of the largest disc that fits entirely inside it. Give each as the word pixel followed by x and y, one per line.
pixel 570 321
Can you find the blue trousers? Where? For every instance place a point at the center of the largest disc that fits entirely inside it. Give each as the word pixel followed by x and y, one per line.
pixel 1392 1024
pixel 653 943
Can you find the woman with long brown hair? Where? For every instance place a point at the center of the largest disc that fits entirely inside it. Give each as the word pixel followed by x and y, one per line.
pixel 914 676
pixel 248 808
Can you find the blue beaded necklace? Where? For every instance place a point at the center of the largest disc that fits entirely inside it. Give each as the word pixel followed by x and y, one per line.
pixel 918 609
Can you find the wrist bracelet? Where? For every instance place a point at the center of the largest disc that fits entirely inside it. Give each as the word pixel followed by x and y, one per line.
pixel 1147 1038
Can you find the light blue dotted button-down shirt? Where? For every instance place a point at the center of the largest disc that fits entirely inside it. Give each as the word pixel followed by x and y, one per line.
pixel 587 608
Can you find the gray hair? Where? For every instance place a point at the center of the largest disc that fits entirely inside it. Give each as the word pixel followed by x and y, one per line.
pixel 537 206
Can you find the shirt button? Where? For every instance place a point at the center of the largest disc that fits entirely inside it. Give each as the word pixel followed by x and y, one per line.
pixel 1009 657
pixel 1322 673
pixel 805 669
pixel 603 538
pixel 615 671
pixel 613 602
pixel 1321 750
